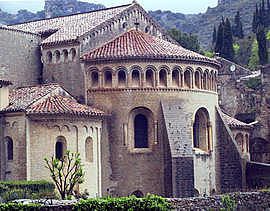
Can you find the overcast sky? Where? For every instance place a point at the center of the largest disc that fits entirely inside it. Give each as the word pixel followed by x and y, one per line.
pixel 183 6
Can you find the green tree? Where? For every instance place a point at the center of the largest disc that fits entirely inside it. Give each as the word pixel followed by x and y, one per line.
pixel 261 39
pixel 220 38
pixel 66 173
pixel 238 26
pixel 214 36
pixel 254 58
pixel 227 48
pixel 188 41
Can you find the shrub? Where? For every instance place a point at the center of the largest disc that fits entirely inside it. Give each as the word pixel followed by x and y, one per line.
pixel 11 190
pixel 228 203
pixel 150 202
pixel 21 207
pixel 254 83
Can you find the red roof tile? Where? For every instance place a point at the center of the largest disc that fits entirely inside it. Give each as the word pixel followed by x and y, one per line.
pixel 235 123
pixel 47 99
pixel 62 105
pixel 137 44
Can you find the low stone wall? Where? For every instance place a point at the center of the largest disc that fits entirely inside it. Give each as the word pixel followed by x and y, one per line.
pixel 258 201
pixel 249 201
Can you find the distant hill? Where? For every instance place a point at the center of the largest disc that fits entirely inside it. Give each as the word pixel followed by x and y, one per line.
pixel 202 24
pixel 53 8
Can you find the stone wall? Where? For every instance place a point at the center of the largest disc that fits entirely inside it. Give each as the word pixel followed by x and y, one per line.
pixel 230 168
pixel 145 170
pixel 20 57
pixel 244 201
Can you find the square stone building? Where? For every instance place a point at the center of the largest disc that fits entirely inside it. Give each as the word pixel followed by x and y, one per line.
pixel 113 85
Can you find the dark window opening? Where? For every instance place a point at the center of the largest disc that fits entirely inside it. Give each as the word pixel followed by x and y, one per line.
pixel 9 149
pixel 59 150
pixel 141 131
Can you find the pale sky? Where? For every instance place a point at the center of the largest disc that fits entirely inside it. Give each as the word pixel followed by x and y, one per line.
pixel 183 6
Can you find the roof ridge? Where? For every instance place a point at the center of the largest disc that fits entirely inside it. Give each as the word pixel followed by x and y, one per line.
pixel 108 8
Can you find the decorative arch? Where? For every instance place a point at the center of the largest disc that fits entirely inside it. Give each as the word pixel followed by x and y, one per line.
pixel 49 57
pixel 65 55
pixel 122 78
pixel 176 77
pixel 198 78
pixel 138 194
pixel 57 55
pixel 201 130
pixel 94 79
pixel 89 150
pixel 163 77
pixel 73 54
pixel 188 78
pixel 108 78
pixel 149 77
pixel 135 77
pixel 205 80
pixel 60 147
pixel 9 148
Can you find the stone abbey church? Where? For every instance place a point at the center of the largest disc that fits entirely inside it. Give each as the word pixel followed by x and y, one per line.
pixel 111 84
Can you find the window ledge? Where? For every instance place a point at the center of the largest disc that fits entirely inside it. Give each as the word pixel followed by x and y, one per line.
pixel 140 150
pixel 198 151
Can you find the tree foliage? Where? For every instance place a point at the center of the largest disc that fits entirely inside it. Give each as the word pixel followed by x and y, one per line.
pixel 261 16
pixel 237 27
pixel 254 58
pixel 261 38
pixel 224 41
pixel 188 41
pixel 66 173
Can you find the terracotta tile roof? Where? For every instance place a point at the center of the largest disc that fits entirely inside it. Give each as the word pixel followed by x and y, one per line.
pixel 235 123
pixel 136 44
pixel 62 105
pixel 5 82
pixel 68 28
pixel 47 99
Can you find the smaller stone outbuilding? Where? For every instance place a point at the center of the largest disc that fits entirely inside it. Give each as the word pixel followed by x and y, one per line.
pixel 43 121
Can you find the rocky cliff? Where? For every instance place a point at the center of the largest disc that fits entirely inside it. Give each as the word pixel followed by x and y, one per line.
pixel 202 24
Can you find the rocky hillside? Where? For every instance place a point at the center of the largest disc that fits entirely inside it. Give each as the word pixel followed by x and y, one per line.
pixel 52 8
pixel 202 24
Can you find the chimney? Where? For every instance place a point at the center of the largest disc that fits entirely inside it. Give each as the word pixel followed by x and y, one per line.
pixel 4 93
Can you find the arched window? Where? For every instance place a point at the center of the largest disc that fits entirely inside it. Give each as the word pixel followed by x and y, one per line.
pixel 175 78
pixel 140 131
pixel 57 56
pixel 135 78
pixel 73 54
pixel 187 78
pixel 147 29
pixel 163 78
pixel 65 54
pixel 9 148
pixel 138 194
pixel 121 78
pixel 94 79
pixel 197 79
pixel 205 80
pixel 201 130
pixel 108 79
pixel 89 150
pixel 149 78
pixel 60 148
pixel 49 57
pixel 239 138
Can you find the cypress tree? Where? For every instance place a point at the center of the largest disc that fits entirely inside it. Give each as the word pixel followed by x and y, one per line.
pixel 238 26
pixel 255 20
pixel 227 47
pixel 214 36
pixel 219 39
pixel 261 38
